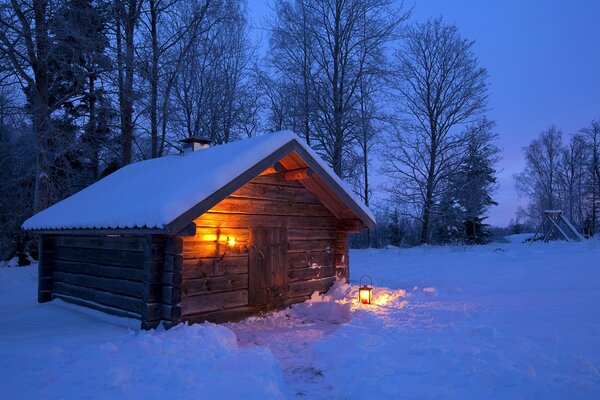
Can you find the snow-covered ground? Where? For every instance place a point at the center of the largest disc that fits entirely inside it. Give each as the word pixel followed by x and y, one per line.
pixel 508 320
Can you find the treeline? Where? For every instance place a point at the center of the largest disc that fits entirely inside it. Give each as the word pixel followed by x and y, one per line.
pixel 562 175
pixel 87 86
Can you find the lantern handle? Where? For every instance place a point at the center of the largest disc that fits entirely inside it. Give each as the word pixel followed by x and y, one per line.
pixel 365 276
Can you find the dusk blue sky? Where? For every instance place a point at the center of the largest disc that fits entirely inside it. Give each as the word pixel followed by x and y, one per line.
pixel 543 58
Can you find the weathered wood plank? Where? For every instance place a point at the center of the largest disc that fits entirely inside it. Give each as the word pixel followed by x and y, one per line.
pixel 171 313
pixel 267 266
pixel 113 242
pixel 342 258
pixel 298 174
pixel 98 296
pixel 215 284
pixel 301 260
pixel 306 288
pixel 108 271
pixel 270 207
pixel 101 256
pixel 96 306
pixel 45 268
pixel 308 273
pixel 275 179
pixel 213 302
pixel 118 286
pixel 172 278
pixel 171 295
pixel 215 219
pixel 216 234
pixel 173 263
pixel 173 245
pixel 205 267
pixel 296 194
pixel 303 246
pixel 151 315
pixel 311 234
pixel 213 249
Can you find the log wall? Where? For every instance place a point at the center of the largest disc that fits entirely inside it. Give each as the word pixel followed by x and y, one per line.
pixel 215 274
pixel 120 275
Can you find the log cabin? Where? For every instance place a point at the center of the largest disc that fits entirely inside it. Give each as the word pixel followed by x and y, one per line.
pixel 215 234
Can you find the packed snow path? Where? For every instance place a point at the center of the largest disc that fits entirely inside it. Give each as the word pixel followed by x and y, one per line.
pixel 497 321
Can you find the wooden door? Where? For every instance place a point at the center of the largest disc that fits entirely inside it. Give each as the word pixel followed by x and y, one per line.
pixel 267 267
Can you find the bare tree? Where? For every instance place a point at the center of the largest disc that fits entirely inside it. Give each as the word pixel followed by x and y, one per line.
pixel 126 16
pixel 571 178
pixel 171 29
pixel 24 42
pixel 213 90
pixel 539 181
pixel 440 86
pixel 591 135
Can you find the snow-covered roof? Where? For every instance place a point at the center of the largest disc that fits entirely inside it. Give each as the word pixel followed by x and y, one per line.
pixel 153 193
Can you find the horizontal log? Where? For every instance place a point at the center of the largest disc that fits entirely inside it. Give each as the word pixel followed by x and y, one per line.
pixel 172 278
pixel 302 260
pixel 173 246
pixel 108 271
pixel 297 174
pixel 151 315
pixel 205 267
pixel 98 296
pixel 308 273
pixel 105 309
pixel 275 193
pixel 128 243
pixel 269 207
pixel 215 284
pixel 275 169
pixel 213 249
pixel 120 258
pixel 173 263
pixel 171 313
pixel 213 302
pixel 215 219
pixel 230 315
pixel 303 246
pixel 171 295
pixel 218 234
pixel 119 286
pixel 311 234
pixel 189 230
pixel 275 179
pixel 306 288
pixel 45 283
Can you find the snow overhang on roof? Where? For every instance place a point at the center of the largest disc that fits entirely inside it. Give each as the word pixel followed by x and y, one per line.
pixel 164 194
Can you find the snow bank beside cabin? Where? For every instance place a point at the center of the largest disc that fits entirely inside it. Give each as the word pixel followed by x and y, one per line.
pixel 59 351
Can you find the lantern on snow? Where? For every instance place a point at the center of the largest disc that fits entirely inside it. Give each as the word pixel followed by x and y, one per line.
pixel 365 292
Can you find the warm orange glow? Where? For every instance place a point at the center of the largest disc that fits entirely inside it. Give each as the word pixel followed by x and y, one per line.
pixel 364 294
pixel 231 241
pixel 208 237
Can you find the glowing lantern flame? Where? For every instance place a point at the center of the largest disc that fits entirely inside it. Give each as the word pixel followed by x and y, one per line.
pixel 231 241
pixel 365 292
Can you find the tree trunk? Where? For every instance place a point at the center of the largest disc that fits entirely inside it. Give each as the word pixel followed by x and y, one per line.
pixel 41 111
pixel 154 81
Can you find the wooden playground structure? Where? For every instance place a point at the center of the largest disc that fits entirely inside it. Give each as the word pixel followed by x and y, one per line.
pixel 555 225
